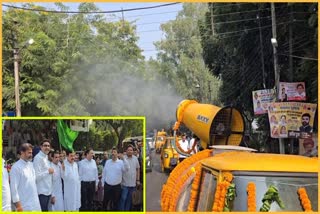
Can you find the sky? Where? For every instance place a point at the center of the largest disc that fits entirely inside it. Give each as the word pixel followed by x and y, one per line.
pixel 148 21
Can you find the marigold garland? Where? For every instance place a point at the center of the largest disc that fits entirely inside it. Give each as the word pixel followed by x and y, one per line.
pixel 220 201
pixel 219 196
pixel 179 175
pixel 195 188
pixel 251 190
pixel 304 199
pixel 227 176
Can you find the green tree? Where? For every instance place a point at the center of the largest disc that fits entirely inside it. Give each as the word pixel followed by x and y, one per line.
pixel 56 72
pixel 180 55
pixel 125 128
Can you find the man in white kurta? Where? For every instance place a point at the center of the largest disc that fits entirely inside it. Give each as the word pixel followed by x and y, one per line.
pixel 56 202
pixel 44 173
pixel 6 195
pixel 70 175
pixel 23 181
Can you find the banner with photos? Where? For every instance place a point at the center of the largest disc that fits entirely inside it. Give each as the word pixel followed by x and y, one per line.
pixel 291 119
pixel 261 99
pixel 292 91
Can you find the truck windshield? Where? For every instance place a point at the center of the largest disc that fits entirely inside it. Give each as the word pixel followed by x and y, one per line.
pixel 286 183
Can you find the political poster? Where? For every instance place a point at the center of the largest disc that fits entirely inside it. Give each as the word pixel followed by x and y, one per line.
pixel 261 98
pixel 292 91
pixel 291 119
pixel 309 147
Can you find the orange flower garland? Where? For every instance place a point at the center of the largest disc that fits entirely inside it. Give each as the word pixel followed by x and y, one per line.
pixel 179 185
pixel 221 191
pixel 171 190
pixel 251 190
pixel 304 199
pixel 227 176
pixel 194 188
pixel 219 196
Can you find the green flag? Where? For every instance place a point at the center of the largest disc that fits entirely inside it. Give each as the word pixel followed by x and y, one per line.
pixel 66 135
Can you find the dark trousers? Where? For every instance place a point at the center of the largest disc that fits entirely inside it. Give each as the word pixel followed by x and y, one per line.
pixel 111 197
pixel 181 159
pixel 87 194
pixel 44 202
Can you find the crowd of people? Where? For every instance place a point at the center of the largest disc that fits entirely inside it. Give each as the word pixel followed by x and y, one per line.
pixel 60 181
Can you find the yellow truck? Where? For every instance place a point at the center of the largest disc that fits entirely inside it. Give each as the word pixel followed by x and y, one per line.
pixel 160 140
pixel 226 177
pixel 169 155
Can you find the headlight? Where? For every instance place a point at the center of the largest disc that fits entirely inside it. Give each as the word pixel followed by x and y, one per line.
pixel 166 155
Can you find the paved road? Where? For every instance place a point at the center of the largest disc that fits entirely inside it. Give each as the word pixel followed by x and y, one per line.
pixel 155 180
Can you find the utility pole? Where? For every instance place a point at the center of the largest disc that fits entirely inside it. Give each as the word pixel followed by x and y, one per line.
pixel 122 17
pixel 290 73
pixel 209 91
pixel 276 66
pixel 261 54
pixel 16 73
pixel 211 10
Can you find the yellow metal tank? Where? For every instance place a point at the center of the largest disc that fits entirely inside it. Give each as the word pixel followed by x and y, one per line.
pixel 212 124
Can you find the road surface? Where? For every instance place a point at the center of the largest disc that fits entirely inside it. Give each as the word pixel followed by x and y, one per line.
pixel 155 180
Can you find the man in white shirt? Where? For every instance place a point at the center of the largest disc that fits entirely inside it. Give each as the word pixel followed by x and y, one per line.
pixel 88 173
pixel 184 145
pixel 111 180
pixel 194 144
pixel 130 179
pixel 6 195
pixel 56 202
pixel 43 175
pixel 70 175
pixel 23 182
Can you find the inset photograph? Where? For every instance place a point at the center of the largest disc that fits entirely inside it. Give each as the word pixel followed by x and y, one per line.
pixel 73 164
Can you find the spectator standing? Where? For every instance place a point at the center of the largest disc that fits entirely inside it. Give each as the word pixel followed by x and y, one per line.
pixel 43 174
pixel 56 202
pixel 184 145
pixel 130 179
pixel 6 195
pixel 111 180
pixel 88 173
pixel 70 175
pixel 105 158
pixel 23 181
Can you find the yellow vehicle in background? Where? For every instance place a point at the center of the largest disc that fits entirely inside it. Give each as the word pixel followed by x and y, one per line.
pixel 160 140
pixel 169 155
pixel 227 177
